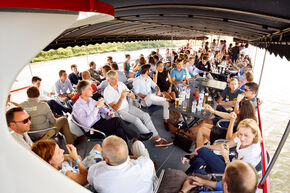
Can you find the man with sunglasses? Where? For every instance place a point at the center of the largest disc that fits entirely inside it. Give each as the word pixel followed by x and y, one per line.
pixel 19 122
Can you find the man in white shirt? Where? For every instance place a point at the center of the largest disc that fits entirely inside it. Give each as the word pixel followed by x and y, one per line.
pixel 119 173
pixel 19 122
pixel 115 95
pixel 142 86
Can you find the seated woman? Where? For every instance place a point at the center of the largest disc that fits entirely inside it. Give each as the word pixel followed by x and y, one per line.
pixel 52 154
pixel 247 146
pixel 162 78
pixel 127 67
pixel 246 111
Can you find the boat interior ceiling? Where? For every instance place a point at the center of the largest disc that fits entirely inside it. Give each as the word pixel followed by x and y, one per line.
pixel 262 23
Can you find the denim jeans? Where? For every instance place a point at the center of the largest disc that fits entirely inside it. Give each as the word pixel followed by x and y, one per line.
pixel 206 157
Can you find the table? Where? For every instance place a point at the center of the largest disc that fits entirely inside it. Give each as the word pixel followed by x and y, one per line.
pixel 220 76
pixel 218 85
pixel 203 114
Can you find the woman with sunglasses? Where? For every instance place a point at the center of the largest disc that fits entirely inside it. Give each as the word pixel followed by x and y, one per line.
pixel 247 146
pixel 49 151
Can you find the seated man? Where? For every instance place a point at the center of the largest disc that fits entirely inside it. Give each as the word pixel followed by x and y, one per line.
pixel 87 112
pixel 119 173
pixel 109 61
pixel 45 96
pixel 63 87
pixel 94 74
pixel 178 74
pixel 19 122
pixel 86 76
pixel 239 177
pixel 115 95
pixel 42 117
pixel 251 89
pixel 75 76
pixel 104 83
pixel 121 75
pixel 142 86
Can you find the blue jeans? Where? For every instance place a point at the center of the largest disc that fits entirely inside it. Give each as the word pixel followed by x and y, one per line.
pixel 206 157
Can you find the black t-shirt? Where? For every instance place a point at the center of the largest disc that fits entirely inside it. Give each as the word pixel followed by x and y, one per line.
pixel 228 96
pixel 162 81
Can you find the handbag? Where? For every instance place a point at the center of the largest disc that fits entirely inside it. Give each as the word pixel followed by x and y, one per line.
pixel 184 142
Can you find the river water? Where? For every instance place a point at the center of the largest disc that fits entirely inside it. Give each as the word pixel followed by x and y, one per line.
pixel 274 91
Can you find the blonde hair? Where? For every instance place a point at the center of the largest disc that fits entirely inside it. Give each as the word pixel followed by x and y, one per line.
pixel 111 74
pixel 251 123
pixel 233 79
pixel 85 75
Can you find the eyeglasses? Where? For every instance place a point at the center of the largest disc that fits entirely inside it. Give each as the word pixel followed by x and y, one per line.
pixel 24 121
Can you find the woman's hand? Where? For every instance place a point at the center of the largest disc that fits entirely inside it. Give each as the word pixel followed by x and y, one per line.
pixel 98 148
pixel 72 150
pixel 240 97
pixel 208 108
pixel 233 116
pixel 225 151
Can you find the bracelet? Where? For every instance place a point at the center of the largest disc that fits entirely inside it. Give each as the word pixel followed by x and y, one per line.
pixel 77 161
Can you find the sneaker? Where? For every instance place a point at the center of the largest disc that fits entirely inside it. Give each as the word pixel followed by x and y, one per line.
pixel 162 143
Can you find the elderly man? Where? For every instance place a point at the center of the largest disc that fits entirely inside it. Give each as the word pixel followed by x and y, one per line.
pixel 19 122
pixel 239 177
pixel 87 112
pixel 119 173
pixel 42 117
pixel 115 95
pixel 142 86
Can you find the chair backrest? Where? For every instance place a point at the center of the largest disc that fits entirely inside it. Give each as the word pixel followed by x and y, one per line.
pixel 82 127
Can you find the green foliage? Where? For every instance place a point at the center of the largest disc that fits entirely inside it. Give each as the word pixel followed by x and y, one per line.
pixel 105 47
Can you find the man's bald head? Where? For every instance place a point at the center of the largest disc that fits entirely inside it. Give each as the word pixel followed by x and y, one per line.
pixel 240 177
pixel 115 150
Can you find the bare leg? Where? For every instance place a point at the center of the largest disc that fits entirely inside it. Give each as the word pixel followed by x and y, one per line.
pixel 202 136
pixel 204 123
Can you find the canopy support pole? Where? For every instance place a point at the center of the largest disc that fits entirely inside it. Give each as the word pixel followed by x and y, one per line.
pixel 255 56
pixel 262 70
pixel 30 69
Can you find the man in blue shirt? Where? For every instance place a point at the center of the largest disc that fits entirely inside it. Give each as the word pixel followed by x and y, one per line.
pixel 239 177
pixel 178 74
pixel 63 87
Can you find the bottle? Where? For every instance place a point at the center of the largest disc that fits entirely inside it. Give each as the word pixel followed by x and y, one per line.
pixel 200 101
pixel 193 107
pixel 187 92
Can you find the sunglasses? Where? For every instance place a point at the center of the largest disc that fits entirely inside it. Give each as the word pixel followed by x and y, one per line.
pixel 24 121
pixel 247 90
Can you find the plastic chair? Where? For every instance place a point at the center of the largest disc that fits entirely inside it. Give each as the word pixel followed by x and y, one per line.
pixel 45 130
pixel 89 135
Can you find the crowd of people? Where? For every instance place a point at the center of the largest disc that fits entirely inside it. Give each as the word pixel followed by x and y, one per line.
pixel 109 100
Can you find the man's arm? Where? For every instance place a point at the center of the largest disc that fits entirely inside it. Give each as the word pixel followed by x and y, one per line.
pixel 117 105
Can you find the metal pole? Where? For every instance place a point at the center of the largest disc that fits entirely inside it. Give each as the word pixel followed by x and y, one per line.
pixel 87 54
pixel 30 70
pixel 255 56
pixel 261 74
pixel 171 38
pixel 277 152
